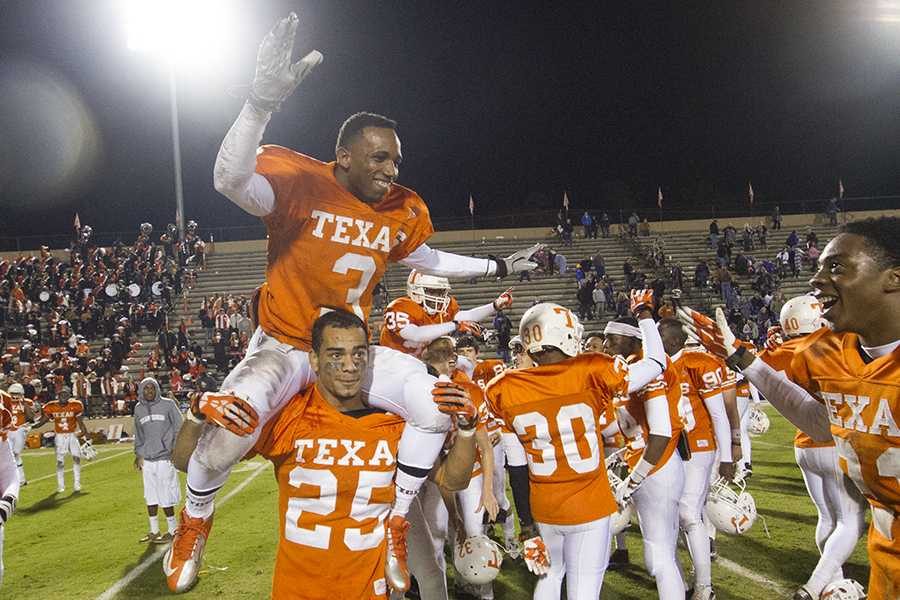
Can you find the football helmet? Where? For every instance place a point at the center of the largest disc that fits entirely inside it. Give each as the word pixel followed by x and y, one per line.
pixel 88 451
pixel 615 468
pixel 16 388
pixel 431 292
pixel 477 559
pixel 801 315
pixel 192 226
pixel 758 421
pixel 146 228
pixel 549 324
pixel 731 510
pixel 843 589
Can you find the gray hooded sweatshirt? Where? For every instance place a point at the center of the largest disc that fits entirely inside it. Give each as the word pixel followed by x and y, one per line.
pixel 156 423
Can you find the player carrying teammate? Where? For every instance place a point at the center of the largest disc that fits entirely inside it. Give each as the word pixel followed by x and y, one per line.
pixel 845 382
pixel 332 228
pixel 558 409
pixel 66 415
pixel 335 458
pixel 428 311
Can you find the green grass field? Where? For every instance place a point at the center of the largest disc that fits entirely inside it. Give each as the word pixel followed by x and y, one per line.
pixel 84 546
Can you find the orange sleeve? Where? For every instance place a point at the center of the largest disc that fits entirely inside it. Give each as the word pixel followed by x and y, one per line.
pixel 281 168
pixel 417 231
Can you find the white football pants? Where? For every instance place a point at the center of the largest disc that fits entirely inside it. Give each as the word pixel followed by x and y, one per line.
pixel 743 405
pixel 690 512
pixel 657 502
pixel 842 513
pixel 580 553
pixel 427 535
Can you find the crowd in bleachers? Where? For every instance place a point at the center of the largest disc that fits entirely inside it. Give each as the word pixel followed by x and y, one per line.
pixel 75 323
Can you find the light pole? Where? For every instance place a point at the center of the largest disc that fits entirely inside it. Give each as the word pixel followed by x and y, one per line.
pixel 176 153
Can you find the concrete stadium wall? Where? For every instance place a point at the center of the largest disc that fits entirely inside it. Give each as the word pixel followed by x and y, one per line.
pixel 789 222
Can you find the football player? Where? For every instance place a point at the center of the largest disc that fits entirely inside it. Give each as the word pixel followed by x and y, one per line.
pixel 845 381
pixel 484 370
pixel 428 312
pixel 9 478
pixel 23 414
pixel 335 458
pixel 558 409
pixel 649 417
pixel 332 230
pixel 841 508
pixel 702 411
pixel 66 413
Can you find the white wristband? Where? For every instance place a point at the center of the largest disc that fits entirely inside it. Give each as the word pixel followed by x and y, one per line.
pixel 642 469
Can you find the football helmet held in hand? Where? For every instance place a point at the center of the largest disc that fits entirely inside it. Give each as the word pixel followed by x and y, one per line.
pixel 801 315
pixel 87 450
pixel 730 507
pixel 758 422
pixel 843 589
pixel 477 559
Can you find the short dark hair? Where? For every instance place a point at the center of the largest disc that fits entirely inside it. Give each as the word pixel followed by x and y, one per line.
pixel 467 341
pixel 341 319
pixel 627 321
pixel 355 123
pixel 882 235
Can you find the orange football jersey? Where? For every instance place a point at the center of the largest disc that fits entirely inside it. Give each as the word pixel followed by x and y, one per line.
pixel 485 419
pixel 780 360
pixel 327 248
pixel 668 385
pixel 485 370
pixel 6 415
pixel 404 311
pixel 863 401
pixel 701 376
pixel 65 416
pixel 18 411
pixel 335 477
pixel 557 411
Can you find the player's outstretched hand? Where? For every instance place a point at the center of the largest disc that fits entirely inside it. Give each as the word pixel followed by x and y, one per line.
pixel 470 327
pixel 504 300
pixel 716 336
pixel 231 412
pixel 517 261
pixel 774 338
pixel 276 77
pixel 534 551
pixel 453 399
pixel 641 300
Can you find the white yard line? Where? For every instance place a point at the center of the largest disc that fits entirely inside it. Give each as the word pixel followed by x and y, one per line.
pixel 51 451
pixel 753 576
pixel 84 464
pixel 147 562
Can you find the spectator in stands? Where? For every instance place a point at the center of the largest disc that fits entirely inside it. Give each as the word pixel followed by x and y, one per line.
pixel 579 275
pixel 747 237
pixel 677 275
pixel 723 253
pixel 622 304
pixel 599 298
pixel 831 209
pixel 644 228
pixel 503 327
pixel 609 293
pixel 727 289
pixel 776 218
pixel 604 224
pixel 633 222
pixel 795 256
pixel 811 237
pixel 742 264
pixel 762 233
pixel 380 296
pixel 792 239
pixel 586 299
pixel 567 232
pixel 559 263
pixel 812 256
pixel 587 222
pixel 713 234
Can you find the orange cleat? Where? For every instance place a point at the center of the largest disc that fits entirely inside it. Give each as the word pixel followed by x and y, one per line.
pixel 396 569
pixel 182 561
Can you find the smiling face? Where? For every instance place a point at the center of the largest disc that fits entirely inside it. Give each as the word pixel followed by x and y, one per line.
pixel 340 364
pixel 369 163
pixel 853 288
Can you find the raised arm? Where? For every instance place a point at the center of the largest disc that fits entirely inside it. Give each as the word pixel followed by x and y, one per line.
pixel 276 78
pixel 446 264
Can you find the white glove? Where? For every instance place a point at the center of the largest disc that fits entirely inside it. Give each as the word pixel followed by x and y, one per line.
pixel 276 78
pixel 7 508
pixel 630 484
pixel 517 261
pixel 504 300
pixel 534 551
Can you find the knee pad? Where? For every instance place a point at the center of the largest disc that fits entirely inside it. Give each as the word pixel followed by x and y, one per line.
pixel 218 449
pixel 422 412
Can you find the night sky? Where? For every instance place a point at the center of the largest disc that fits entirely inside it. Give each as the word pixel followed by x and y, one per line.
pixel 513 102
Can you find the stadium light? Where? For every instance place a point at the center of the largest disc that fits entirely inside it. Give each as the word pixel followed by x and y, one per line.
pixel 183 33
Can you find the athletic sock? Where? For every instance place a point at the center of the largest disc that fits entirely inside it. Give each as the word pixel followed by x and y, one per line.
pixel 76 472
pixel 171 524
pixel 416 454
pixel 60 480
pixel 202 485
pixel 154 524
